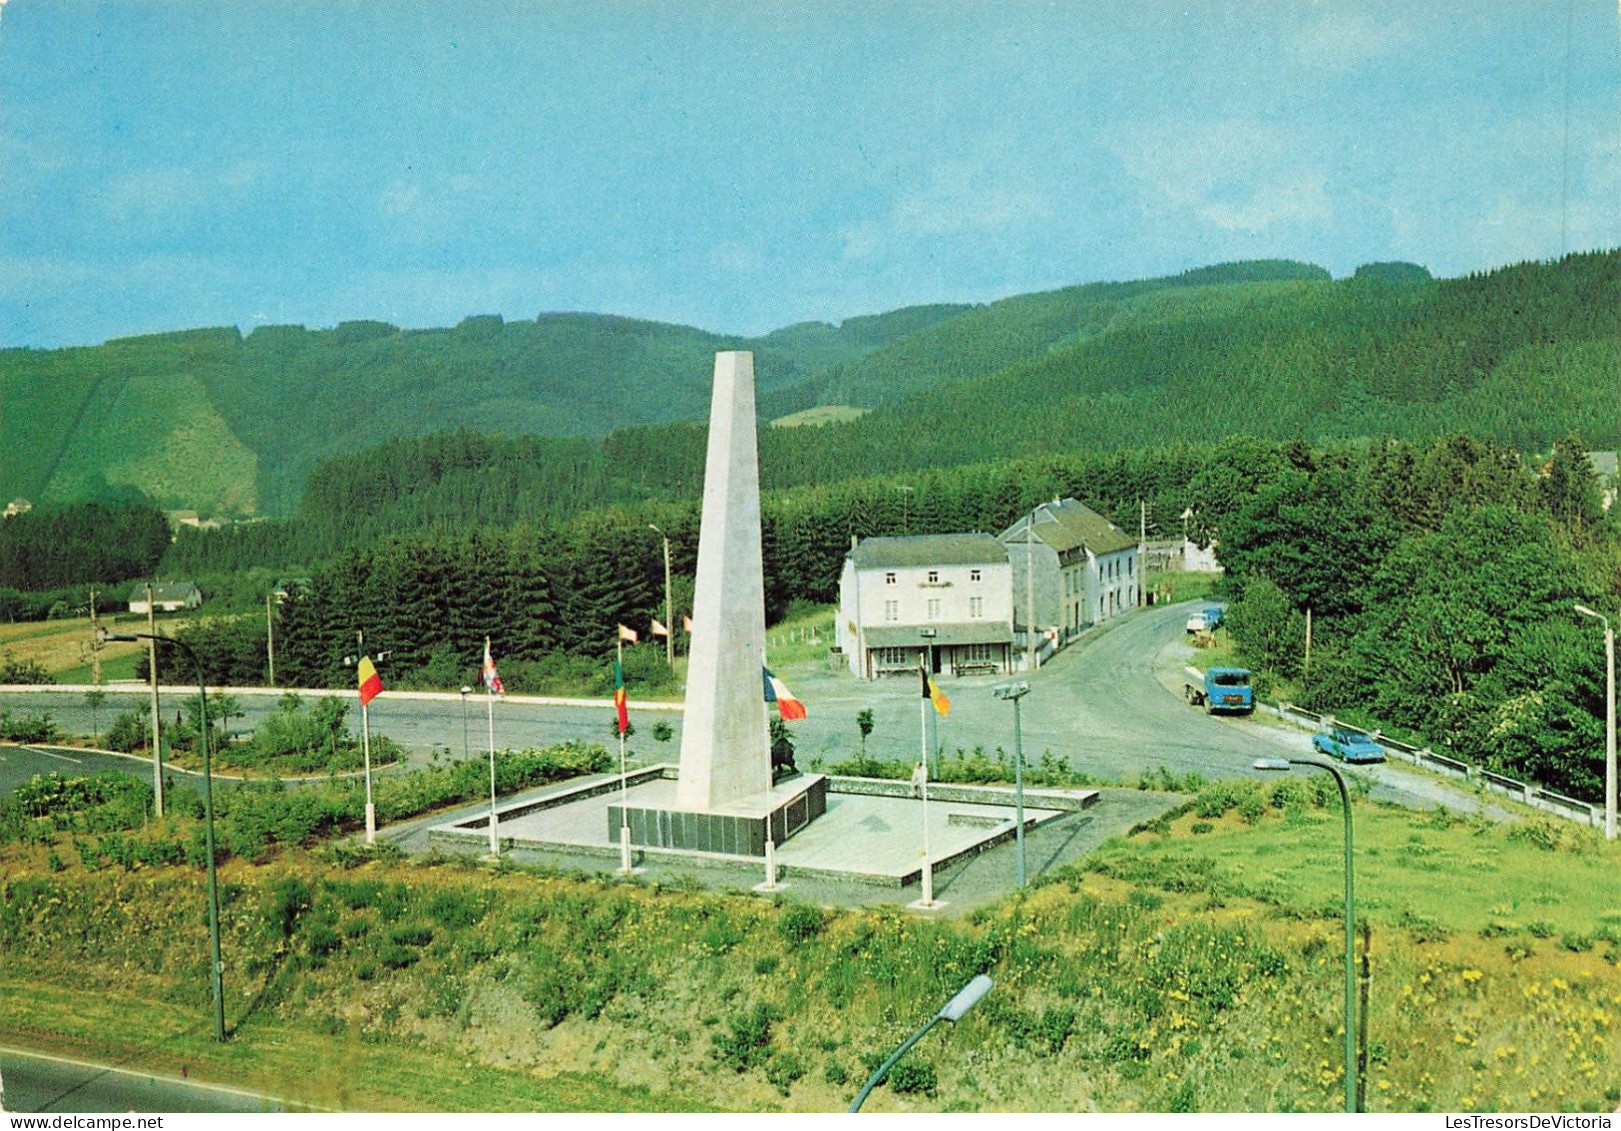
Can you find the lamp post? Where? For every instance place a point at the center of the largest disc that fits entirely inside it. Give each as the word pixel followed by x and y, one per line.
pixel 1016 692
pixel 1609 720
pixel 466 752
pixel 953 1010
pixel 1283 764
pixel 669 618
pixel 216 967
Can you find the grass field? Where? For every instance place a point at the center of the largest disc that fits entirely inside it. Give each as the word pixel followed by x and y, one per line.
pixel 822 414
pixel 1193 965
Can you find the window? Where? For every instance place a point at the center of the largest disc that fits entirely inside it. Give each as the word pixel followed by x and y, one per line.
pixel 892 610
pixel 973 575
pixel 934 609
pixel 976 607
pixel 892 657
pixel 1131 567
pixel 934 577
pixel 889 578
pixel 979 654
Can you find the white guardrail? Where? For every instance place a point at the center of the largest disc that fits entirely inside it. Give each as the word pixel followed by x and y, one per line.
pixel 1535 796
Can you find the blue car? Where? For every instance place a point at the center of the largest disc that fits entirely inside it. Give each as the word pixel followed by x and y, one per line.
pixel 1348 746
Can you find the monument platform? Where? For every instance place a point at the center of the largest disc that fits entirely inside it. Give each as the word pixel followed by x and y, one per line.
pixel 871 832
pixel 735 828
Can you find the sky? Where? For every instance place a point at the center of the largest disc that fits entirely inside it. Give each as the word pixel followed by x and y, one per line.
pixel 741 166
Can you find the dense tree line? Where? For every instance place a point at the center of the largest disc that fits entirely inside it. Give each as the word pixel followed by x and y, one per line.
pixel 56 547
pixel 1440 583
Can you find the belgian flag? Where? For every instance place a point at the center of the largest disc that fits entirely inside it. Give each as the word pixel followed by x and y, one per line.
pixel 932 692
pixel 370 682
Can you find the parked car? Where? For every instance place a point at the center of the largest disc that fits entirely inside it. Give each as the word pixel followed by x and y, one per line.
pixel 1214 617
pixel 1197 623
pixel 1225 690
pixel 1348 745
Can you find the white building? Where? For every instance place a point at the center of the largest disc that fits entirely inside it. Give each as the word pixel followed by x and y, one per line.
pixel 1082 568
pixel 943 598
pixel 168 597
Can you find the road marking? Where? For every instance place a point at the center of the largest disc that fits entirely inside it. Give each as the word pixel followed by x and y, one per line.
pixel 138 1074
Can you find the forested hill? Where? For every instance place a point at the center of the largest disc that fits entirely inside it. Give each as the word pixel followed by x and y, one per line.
pixel 213 421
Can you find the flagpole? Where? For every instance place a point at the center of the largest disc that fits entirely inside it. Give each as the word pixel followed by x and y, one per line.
pixel 365 745
pixel 624 790
pixel 365 748
pixel 489 717
pixel 928 867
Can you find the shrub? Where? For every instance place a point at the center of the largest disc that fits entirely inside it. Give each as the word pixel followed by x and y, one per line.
pixel 800 923
pixel 913 1077
pixel 744 1044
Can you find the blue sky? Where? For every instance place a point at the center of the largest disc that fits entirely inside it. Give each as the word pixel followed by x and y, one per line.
pixel 742 166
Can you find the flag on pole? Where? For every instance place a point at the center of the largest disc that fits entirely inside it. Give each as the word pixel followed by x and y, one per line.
pixel 491 679
pixel 659 629
pixel 621 707
pixel 370 682
pixel 932 692
pixel 627 634
pixel 686 624
pixel 777 692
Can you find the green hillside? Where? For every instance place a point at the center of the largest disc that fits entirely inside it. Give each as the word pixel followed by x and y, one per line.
pixel 210 420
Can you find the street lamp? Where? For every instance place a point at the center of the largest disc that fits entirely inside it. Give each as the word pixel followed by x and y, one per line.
pixel 1609 720
pixel 466 753
pixel 669 619
pixel 952 1011
pixel 216 967
pixel 1015 692
pixel 1283 764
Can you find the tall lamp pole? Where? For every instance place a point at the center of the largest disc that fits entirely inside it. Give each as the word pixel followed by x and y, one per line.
pixel 1016 692
pixel 953 1011
pixel 216 967
pixel 466 753
pixel 1609 719
pixel 1283 765
pixel 669 618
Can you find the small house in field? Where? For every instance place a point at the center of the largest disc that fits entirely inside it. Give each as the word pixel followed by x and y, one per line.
pixel 17 507
pixel 167 597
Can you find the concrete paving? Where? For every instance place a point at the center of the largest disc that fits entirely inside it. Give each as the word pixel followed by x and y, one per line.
pixel 860 838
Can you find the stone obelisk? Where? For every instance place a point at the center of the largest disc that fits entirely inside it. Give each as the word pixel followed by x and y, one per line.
pixel 725 745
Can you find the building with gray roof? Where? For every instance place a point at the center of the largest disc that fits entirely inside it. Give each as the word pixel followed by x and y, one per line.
pixel 1071 568
pixel 940 600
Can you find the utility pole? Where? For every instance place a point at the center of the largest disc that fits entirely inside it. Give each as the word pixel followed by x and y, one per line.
pixel 95 643
pixel 157 714
pixel 270 641
pixel 1142 551
pixel 1030 587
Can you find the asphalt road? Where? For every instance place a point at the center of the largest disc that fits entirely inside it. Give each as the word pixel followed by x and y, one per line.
pixel 1110 704
pixel 35 1083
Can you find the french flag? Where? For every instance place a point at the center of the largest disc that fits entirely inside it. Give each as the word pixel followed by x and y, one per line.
pixel 777 692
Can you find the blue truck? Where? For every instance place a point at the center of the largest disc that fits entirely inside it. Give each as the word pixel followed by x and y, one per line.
pixel 1224 690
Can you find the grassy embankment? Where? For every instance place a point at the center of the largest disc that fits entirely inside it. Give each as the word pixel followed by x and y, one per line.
pixel 1192 966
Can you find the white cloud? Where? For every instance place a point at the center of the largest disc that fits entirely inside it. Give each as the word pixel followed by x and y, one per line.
pixel 968 197
pixel 1338 38
pixel 1236 175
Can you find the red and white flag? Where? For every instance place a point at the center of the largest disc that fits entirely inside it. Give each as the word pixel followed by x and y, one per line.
pixel 491 679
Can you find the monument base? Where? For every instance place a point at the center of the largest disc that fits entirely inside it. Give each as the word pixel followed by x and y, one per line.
pixel 739 828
